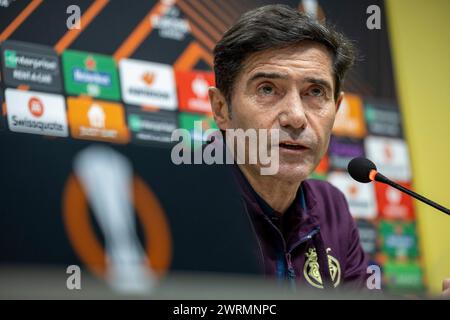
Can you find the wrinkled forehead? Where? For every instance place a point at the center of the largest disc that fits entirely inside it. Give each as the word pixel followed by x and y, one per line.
pixel 304 59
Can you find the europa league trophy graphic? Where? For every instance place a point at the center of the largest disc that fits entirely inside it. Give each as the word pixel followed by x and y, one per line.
pixel 106 177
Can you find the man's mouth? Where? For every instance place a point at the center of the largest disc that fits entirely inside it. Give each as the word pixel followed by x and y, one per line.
pixel 292 146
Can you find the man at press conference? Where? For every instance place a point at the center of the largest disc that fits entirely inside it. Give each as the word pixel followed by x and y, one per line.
pixel 278 68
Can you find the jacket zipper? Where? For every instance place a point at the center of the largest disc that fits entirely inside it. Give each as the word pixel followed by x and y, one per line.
pixel 305 238
pixel 290 267
pixel 291 271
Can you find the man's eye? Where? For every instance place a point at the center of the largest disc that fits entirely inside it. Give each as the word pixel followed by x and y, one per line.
pixel 316 92
pixel 267 90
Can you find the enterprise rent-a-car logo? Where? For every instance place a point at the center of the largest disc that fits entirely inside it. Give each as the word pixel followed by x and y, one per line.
pixel 32 65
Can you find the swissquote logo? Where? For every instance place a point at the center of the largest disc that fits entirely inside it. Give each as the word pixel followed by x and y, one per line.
pixel 148 84
pixel 35 112
pixel 36 107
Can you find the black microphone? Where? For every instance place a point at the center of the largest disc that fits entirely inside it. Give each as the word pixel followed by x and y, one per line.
pixel 363 170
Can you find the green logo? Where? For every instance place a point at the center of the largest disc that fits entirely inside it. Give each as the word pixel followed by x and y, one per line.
pixel 370 114
pixel 318 176
pixel 10 59
pixel 90 74
pixel 134 122
pixel 398 239
pixel 188 120
pixel 403 277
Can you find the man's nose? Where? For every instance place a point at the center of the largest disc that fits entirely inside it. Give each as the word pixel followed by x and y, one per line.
pixel 293 112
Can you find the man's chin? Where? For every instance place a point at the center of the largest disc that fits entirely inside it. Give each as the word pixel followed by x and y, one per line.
pixel 290 173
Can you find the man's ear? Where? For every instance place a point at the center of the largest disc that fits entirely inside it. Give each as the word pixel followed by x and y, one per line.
pixel 339 100
pixel 219 108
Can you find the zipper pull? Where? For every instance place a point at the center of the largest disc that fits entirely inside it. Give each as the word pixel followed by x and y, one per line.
pixel 291 273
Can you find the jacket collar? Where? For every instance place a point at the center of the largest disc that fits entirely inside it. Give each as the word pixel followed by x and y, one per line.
pixel 301 222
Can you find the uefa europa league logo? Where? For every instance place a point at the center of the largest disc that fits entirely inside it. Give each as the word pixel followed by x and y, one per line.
pixel 106 177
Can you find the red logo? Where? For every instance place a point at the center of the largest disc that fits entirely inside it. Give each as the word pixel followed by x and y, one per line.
pixel 322 167
pixel 90 63
pixel 36 107
pixel 193 90
pixel 392 203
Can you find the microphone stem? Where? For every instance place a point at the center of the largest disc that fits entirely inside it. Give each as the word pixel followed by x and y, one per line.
pixel 380 178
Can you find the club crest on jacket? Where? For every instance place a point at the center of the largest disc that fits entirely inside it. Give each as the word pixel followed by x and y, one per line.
pixel 311 269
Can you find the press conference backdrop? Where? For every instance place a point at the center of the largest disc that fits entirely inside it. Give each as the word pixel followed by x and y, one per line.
pixel 137 70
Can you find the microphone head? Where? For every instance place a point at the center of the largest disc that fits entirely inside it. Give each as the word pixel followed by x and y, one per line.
pixel 360 168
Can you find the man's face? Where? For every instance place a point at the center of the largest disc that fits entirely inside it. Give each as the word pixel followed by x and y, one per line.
pixel 290 89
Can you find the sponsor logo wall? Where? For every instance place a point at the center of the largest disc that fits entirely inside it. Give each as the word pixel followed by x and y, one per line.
pixel 129 101
pixel 385 216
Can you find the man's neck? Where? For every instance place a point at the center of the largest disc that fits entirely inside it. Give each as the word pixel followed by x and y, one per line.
pixel 278 194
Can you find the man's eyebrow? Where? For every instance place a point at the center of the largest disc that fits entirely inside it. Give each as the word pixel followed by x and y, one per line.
pixel 322 82
pixel 267 75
